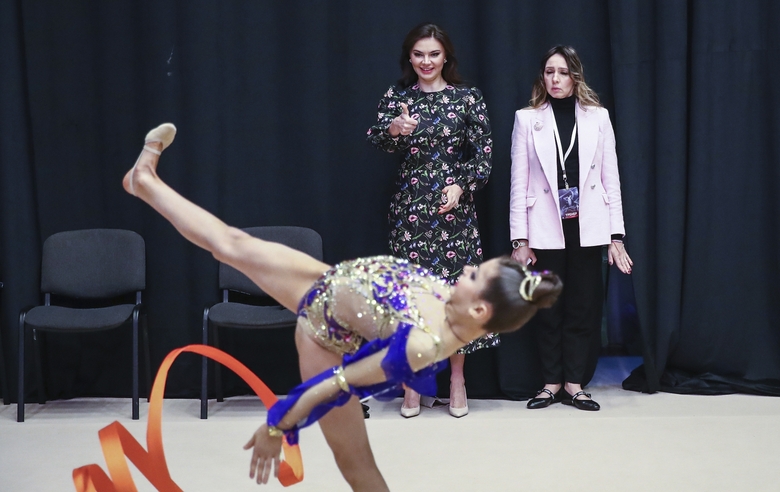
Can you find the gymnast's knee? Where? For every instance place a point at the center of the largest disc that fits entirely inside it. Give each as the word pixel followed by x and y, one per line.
pixel 227 247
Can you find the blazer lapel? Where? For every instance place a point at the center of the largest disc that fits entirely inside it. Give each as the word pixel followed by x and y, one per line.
pixel 544 143
pixel 588 137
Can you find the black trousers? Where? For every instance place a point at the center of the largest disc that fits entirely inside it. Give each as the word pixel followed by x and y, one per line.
pixel 569 333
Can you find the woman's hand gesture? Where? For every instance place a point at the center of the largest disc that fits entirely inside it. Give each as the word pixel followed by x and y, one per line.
pixel 450 197
pixel 265 454
pixel 402 124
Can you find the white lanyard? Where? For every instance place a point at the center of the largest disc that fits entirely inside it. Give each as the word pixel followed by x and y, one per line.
pixel 560 147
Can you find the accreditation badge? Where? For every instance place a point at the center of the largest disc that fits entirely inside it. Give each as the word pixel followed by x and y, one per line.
pixel 569 198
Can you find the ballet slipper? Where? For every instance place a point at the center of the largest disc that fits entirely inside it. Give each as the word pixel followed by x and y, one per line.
pixel 163 134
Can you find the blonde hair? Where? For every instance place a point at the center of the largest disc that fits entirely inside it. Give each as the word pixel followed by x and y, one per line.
pixel 584 94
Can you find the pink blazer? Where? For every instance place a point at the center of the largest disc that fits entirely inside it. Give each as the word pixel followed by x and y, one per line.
pixel 534 211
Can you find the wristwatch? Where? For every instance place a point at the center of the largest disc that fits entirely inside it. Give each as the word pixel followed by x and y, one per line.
pixel 517 243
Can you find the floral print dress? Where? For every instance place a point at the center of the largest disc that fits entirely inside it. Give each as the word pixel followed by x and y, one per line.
pixel 450 145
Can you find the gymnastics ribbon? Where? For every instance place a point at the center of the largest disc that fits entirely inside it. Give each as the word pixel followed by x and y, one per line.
pixel 118 443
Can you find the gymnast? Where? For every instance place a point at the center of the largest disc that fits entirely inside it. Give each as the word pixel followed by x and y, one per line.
pixel 410 320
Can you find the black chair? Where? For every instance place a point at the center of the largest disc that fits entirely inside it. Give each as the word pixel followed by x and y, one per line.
pixel 242 315
pixel 4 389
pixel 96 268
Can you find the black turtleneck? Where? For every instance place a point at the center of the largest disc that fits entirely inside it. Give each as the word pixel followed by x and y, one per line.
pixel 564 118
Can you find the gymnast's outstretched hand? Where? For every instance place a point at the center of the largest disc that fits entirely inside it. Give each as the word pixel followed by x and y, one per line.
pixel 265 454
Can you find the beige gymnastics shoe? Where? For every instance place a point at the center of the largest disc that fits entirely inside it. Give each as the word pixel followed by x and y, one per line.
pixel 164 134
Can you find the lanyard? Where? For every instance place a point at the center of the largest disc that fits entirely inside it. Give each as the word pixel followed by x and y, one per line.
pixel 560 147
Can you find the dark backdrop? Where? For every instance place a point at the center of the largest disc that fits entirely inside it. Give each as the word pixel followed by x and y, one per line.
pixel 273 99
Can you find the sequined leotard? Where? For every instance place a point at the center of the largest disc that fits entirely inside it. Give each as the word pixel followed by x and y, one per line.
pixel 365 299
pixel 371 300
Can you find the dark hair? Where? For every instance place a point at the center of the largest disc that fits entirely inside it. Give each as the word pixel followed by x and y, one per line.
pixel 584 94
pixel 426 30
pixel 510 310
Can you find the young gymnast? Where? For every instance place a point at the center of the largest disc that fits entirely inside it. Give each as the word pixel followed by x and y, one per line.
pixel 365 326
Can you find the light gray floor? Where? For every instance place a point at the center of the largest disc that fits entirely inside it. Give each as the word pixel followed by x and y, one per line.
pixel 637 442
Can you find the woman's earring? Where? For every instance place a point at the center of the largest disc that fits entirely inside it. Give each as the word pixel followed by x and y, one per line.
pixel 445 60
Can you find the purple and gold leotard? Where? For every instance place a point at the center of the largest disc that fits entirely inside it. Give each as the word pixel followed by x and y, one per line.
pixel 366 299
pixel 373 300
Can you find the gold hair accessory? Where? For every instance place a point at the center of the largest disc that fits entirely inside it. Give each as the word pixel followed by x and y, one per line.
pixel 341 380
pixel 529 284
pixel 275 431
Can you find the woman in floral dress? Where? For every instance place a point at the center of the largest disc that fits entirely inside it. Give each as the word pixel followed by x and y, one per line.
pixel 442 130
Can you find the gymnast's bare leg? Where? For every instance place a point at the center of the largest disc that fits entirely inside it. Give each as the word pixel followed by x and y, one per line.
pixel 285 274
pixel 344 427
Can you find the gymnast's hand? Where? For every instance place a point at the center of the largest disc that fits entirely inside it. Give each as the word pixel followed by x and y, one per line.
pixel 402 124
pixel 450 196
pixel 264 455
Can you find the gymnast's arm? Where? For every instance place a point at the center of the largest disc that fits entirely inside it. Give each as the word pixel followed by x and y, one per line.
pixel 267 440
pixel 364 372
pixel 420 353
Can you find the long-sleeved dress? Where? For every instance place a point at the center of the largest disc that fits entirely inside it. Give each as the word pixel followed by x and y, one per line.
pixel 451 145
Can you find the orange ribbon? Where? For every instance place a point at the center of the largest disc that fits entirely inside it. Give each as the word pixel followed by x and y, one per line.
pixel 118 443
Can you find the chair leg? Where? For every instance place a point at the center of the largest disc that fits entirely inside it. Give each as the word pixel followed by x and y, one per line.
pixel 4 388
pixel 135 364
pixel 204 370
pixel 145 329
pixel 20 385
pixel 39 339
pixel 217 366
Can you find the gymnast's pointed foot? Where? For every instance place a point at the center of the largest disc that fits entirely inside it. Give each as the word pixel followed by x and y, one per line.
pixel 145 166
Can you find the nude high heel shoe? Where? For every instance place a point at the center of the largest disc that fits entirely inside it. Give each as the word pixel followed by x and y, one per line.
pixel 163 134
pixel 461 411
pixel 409 412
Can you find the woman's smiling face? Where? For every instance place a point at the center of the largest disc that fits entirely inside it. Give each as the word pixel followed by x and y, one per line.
pixel 427 58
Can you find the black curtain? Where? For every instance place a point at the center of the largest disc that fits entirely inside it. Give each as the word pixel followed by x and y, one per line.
pixel 272 101
pixel 696 110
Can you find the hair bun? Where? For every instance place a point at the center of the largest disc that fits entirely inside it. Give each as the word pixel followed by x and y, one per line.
pixel 548 290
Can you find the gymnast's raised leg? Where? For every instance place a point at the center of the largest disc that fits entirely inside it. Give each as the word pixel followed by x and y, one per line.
pixel 285 274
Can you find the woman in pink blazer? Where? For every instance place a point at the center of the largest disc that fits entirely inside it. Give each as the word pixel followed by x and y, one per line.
pixel 565 206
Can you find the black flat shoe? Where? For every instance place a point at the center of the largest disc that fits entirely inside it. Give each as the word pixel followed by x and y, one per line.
pixel 537 402
pixel 572 400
